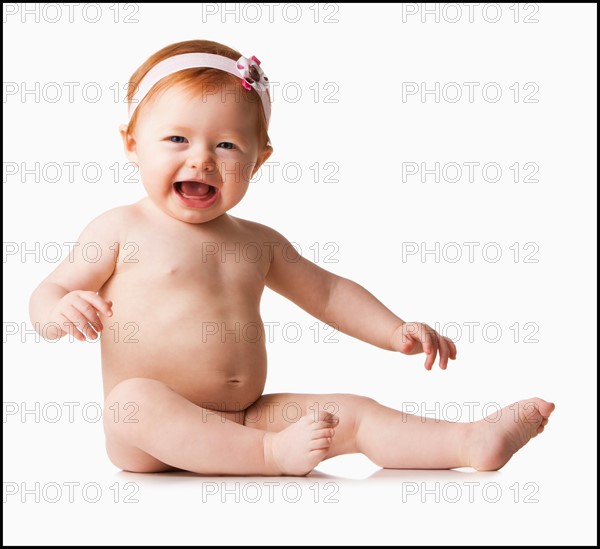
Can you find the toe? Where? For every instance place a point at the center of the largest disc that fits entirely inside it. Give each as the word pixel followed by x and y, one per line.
pixel 320 444
pixel 329 419
pixel 320 454
pixel 545 408
pixel 324 425
pixel 532 411
pixel 326 418
pixel 548 409
pixel 322 433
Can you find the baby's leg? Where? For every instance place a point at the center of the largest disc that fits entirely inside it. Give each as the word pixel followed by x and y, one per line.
pixel 151 428
pixel 396 440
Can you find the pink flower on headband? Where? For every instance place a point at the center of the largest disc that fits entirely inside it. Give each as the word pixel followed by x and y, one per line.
pixel 251 74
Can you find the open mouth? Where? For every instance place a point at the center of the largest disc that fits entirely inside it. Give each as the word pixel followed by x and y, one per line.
pixel 196 194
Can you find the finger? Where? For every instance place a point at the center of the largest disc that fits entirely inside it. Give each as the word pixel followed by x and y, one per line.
pixel 53 331
pixel 69 328
pixel 408 345
pixel 82 323
pixel 425 341
pixel 104 306
pixel 444 352
pixel 443 349
pixel 409 339
pixel 429 345
pixel 451 347
pixel 89 312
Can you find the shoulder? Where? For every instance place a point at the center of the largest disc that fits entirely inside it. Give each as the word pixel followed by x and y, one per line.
pixel 258 230
pixel 278 246
pixel 113 223
pixel 119 214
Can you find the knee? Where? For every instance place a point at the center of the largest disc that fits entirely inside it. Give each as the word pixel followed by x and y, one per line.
pixel 351 408
pixel 135 389
pixel 128 402
pixel 366 401
pixel 355 402
pixel 358 407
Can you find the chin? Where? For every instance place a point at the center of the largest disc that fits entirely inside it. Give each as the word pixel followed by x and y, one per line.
pixel 195 218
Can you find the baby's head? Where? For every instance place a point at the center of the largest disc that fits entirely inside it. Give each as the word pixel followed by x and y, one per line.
pixel 198 127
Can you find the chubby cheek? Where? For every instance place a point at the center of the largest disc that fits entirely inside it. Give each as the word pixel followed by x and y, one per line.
pixel 153 183
pixel 234 190
pixel 156 177
pixel 236 176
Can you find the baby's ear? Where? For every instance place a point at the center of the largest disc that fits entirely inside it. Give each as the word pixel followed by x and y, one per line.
pixel 262 157
pixel 128 144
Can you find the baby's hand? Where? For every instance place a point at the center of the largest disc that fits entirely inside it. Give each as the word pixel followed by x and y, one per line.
pixel 77 313
pixel 415 337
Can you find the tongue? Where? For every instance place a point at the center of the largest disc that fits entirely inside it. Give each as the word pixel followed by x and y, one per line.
pixel 191 188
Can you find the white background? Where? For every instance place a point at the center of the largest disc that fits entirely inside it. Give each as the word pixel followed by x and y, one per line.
pixel 547 493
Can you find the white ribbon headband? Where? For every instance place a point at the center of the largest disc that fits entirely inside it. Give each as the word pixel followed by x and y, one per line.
pixel 248 70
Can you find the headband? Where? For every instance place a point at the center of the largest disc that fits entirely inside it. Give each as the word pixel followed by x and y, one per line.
pixel 248 70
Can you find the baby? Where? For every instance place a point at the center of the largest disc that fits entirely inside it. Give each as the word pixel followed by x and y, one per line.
pixel 181 396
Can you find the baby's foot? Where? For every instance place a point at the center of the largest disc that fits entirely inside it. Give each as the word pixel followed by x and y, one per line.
pixel 299 448
pixel 496 438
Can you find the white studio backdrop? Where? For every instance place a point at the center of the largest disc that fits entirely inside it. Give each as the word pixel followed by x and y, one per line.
pixel 441 155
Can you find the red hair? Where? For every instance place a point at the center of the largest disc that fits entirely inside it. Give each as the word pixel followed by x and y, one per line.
pixel 199 79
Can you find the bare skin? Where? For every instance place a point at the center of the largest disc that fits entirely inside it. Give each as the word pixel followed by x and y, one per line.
pixel 175 290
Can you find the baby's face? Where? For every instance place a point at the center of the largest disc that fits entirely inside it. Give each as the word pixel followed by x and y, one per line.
pixel 196 154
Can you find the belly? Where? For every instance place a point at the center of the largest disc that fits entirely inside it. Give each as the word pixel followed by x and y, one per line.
pixel 214 358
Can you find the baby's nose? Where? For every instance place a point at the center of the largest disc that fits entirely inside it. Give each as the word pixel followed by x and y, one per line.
pixel 202 162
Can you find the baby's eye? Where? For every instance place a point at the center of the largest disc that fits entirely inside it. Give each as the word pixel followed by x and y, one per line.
pixel 226 145
pixel 177 139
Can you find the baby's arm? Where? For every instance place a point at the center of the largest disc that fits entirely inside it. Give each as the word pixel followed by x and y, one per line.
pixel 66 300
pixel 349 307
